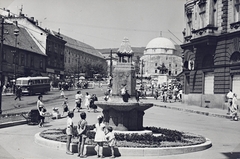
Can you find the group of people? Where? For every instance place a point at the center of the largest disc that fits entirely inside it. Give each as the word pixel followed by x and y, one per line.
pixel 170 93
pixel 88 101
pixel 103 134
pixel 232 105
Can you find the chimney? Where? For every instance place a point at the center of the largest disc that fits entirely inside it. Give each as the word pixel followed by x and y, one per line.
pixel 32 18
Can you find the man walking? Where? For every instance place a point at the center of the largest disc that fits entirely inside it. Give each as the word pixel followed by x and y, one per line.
pixel 18 93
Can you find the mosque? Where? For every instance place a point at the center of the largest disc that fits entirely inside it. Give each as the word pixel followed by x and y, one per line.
pixel 161 52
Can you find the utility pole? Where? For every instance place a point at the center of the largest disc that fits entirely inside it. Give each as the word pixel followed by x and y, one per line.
pixel 142 74
pixel 1 55
pixel 111 76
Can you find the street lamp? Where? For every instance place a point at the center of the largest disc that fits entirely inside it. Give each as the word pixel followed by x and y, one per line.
pixel 16 33
pixel 110 73
pixel 1 55
pixel 142 73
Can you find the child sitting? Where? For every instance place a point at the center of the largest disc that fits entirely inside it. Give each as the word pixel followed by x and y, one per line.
pixel 55 113
pixel 111 140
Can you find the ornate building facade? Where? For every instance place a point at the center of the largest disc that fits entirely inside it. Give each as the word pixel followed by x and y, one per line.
pixel 211 51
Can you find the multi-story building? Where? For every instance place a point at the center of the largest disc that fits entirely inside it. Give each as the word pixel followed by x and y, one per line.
pixel 211 51
pixel 82 59
pixel 50 44
pixel 21 56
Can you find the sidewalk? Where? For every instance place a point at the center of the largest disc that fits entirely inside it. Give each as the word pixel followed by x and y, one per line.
pixel 215 112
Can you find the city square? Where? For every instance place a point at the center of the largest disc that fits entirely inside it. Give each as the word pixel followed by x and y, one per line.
pixel 165 92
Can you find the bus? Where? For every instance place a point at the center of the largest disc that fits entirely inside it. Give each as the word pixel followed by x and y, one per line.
pixel 33 85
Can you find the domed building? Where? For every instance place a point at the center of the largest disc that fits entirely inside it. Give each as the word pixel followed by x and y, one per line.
pixel 161 52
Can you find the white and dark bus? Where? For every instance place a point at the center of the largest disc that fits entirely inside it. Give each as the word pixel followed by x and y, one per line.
pixel 33 85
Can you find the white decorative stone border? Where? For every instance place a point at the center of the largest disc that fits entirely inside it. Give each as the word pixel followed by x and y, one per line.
pixel 126 151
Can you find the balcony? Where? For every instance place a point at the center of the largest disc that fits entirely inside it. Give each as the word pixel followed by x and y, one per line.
pixel 235 25
pixel 210 29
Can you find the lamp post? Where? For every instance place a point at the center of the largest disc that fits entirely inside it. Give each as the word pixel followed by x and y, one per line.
pixel 1 55
pixel 110 70
pixel 16 33
pixel 142 72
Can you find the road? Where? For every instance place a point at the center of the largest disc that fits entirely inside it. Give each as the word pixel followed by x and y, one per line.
pixel 51 99
pixel 18 142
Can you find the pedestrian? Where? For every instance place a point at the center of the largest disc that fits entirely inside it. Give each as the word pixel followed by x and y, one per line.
pixel 18 93
pixel 100 136
pixel 229 97
pixel 62 93
pixel 234 107
pixel 87 101
pixel 137 95
pixel 123 90
pixel 156 94
pixel 78 100
pixel 92 100
pixel 65 106
pixel 111 140
pixel 41 109
pixel 107 95
pixel 69 132
pixel 4 89
pixel 126 96
pixel 82 134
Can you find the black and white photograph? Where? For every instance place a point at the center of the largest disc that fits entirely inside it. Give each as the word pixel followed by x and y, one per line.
pixel 124 79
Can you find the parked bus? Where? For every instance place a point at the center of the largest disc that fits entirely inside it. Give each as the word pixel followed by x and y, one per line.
pixel 33 85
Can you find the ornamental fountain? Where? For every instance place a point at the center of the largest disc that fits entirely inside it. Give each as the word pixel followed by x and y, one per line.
pixel 120 113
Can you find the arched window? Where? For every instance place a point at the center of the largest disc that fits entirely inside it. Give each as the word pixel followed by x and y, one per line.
pixel 235 58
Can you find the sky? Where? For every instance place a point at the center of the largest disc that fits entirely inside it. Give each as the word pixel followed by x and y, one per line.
pixel 105 23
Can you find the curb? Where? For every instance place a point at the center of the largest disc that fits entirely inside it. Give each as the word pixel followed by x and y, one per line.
pixel 15 123
pixel 194 111
pixel 125 151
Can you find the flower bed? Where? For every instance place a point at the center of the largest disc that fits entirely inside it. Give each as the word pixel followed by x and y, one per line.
pixel 160 138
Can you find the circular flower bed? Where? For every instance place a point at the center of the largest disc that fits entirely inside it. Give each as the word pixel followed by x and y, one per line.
pixel 160 138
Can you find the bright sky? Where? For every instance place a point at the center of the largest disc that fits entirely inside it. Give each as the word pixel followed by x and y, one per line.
pixel 105 23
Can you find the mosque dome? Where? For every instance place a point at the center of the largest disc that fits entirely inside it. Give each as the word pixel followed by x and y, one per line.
pixel 160 43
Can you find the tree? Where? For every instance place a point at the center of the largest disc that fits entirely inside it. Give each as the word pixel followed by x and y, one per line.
pixel 137 65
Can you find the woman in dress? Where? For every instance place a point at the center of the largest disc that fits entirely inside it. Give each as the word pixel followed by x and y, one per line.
pixel 234 107
pixel 87 100
pixel 100 136
pixel 41 109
